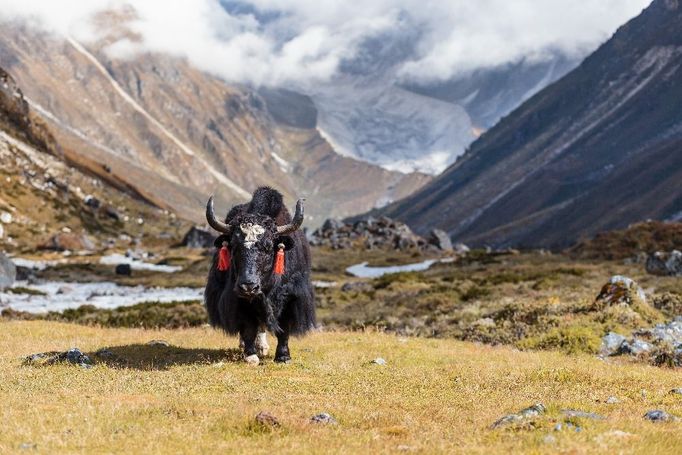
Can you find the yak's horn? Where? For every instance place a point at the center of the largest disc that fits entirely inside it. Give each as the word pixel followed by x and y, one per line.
pixel 296 222
pixel 213 221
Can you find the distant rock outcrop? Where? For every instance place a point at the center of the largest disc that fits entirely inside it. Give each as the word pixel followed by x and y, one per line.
pixel 68 241
pixel 369 233
pixel 666 264
pixel 197 237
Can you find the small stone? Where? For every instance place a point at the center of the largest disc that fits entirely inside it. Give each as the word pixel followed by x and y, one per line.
pixel 266 419
pixel 252 359
pixel 6 217
pixel 28 446
pixel 612 400
pixel 379 361
pixel 659 416
pixel 75 356
pixel 549 439
pixel 124 269
pixel 676 391
pixel 158 343
pixel 531 411
pixel 323 418
pixel 620 290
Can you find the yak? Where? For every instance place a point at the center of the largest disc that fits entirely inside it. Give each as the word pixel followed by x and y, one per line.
pixel 260 275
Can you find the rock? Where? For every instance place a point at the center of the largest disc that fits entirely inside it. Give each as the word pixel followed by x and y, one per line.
pixel 2 231
pixel 8 272
pixel 266 419
pixel 5 217
pixel 124 269
pixel 75 356
pixel 612 400
pixel 567 426
pixel 611 342
pixel 158 343
pixel 659 416
pixel 524 414
pixel 573 413
pixel 620 290
pixel 461 248
pixel 664 263
pixel 323 418
pixel 635 347
pixel 68 241
pixel 379 361
pixel 92 202
pixel 676 391
pixel 440 239
pixel 197 237
pixel 549 439
pixel 484 322
pixel 332 224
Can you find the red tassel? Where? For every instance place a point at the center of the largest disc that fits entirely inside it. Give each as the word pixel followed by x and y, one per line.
pixel 223 258
pixel 279 260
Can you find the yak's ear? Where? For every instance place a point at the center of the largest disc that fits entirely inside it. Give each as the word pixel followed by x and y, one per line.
pixel 220 239
pixel 286 240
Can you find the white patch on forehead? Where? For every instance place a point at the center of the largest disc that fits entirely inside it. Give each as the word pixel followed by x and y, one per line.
pixel 252 232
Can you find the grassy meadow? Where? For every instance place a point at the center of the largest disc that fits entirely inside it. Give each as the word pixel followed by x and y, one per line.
pixel 432 396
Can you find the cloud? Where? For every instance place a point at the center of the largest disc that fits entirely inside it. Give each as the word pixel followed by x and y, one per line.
pixel 301 42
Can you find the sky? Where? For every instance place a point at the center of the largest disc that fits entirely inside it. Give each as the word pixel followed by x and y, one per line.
pixel 299 42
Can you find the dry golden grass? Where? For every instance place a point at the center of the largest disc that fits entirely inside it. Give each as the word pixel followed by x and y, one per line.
pixel 432 396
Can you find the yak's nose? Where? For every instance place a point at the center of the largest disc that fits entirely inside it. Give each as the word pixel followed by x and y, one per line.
pixel 250 288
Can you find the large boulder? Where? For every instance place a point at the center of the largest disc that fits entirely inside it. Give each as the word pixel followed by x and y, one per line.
pixel 197 237
pixel 8 272
pixel 664 263
pixel 440 239
pixel 70 241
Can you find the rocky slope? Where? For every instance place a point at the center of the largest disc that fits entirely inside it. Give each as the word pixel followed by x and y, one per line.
pixel 596 150
pixel 172 134
pixel 44 201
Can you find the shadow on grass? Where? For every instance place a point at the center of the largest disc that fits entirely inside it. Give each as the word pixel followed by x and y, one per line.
pixel 159 357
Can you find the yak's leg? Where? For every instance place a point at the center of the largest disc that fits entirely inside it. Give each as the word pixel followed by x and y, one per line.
pixel 282 352
pixel 248 334
pixel 262 346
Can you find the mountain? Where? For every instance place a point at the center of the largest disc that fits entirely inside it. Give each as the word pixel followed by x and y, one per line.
pixel 171 134
pixel 368 113
pixel 42 196
pixel 596 150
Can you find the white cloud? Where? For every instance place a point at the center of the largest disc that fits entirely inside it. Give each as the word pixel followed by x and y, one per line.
pixel 277 42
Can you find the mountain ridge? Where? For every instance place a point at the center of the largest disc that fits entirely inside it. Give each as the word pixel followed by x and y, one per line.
pixel 605 135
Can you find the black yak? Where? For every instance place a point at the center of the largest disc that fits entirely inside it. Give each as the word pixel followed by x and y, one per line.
pixel 260 276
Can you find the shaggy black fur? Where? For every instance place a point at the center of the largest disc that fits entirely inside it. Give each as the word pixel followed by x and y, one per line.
pixel 285 303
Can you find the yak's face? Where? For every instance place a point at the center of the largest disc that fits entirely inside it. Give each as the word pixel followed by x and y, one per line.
pixel 253 246
pixel 253 242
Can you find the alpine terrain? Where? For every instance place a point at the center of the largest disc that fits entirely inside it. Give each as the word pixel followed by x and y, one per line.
pixel 596 150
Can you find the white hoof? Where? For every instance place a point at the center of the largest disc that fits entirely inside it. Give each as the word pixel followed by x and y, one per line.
pixel 262 346
pixel 252 359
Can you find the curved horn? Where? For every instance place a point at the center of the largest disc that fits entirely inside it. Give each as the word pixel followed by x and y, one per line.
pixel 296 222
pixel 213 221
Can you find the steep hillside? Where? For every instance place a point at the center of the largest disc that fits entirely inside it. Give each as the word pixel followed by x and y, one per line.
pixel 597 150
pixel 174 134
pixel 42 196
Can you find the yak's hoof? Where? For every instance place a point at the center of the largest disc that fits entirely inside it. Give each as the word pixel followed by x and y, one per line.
pixel 252 359
pixel 283 359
